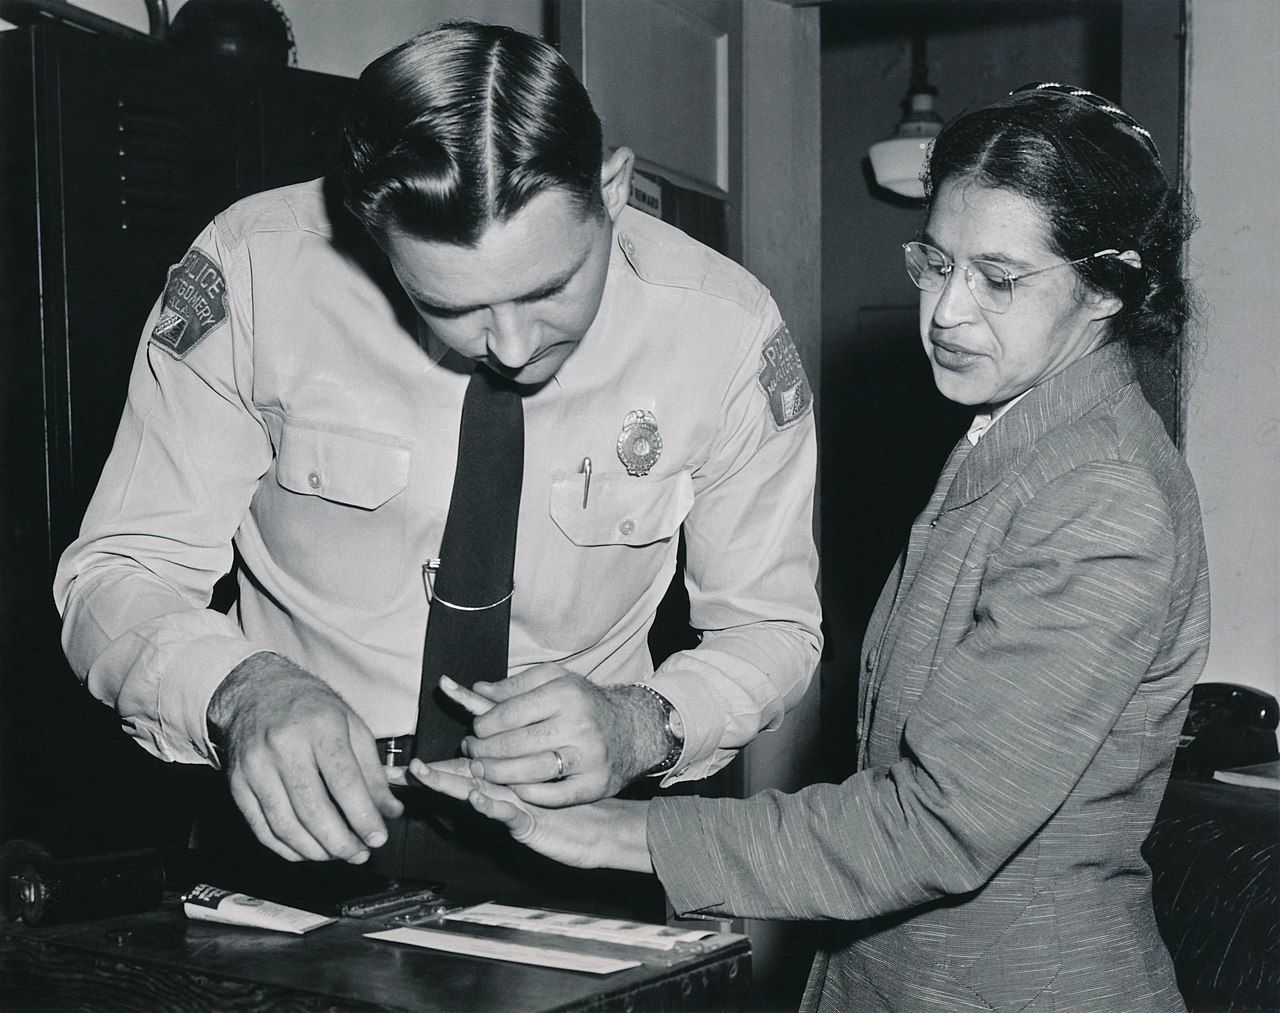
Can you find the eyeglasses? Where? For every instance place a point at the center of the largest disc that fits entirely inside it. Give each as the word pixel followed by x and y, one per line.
pixel 990 283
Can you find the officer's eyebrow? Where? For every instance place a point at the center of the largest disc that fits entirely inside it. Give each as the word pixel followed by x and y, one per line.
pixel 547 290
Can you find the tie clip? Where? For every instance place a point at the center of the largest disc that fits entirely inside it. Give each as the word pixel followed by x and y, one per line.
pixel 430 568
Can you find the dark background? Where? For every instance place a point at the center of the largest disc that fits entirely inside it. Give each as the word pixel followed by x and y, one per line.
pixel 113 156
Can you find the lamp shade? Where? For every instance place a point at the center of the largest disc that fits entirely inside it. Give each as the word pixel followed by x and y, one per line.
pixel 898 163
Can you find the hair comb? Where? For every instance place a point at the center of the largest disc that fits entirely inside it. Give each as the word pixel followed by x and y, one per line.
pixel 1098 102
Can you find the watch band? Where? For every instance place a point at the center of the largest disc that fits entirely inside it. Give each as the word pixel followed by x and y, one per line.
pixel 675 740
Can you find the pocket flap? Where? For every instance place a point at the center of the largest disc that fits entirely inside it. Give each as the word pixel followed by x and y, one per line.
pixel 357 467
pixel 621 509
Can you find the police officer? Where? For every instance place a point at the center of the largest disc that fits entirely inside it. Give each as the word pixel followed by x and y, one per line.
pixel 298 395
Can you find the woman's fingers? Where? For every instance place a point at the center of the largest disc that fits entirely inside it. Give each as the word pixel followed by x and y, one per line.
pixel 447 777
pixel 518 821
pixel 493 801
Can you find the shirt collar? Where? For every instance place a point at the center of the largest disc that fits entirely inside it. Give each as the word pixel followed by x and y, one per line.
pixel 985 420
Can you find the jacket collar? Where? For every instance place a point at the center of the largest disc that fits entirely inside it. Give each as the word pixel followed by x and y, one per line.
pixel 1063 398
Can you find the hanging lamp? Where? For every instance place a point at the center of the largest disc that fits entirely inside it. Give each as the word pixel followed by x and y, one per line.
pixel 899 162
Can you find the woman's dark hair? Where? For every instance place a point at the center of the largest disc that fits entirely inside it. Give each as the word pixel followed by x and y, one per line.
pixel 1096 176
pixel 462 126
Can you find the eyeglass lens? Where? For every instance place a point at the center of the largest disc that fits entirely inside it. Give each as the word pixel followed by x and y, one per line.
pixel 990 283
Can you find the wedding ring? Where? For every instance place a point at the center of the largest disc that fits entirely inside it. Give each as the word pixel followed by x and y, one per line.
pixel 559 765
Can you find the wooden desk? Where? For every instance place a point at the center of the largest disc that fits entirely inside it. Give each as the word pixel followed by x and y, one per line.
pixel 159 960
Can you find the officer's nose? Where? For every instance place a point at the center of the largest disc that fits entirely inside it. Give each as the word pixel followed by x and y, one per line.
pixel 509 338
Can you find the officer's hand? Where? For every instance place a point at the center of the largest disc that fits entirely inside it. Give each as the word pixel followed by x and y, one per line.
pixel 559 739
pixel 303 768
pixel 609 834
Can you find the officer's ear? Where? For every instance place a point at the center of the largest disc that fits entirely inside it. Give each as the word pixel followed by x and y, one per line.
pixel 615 181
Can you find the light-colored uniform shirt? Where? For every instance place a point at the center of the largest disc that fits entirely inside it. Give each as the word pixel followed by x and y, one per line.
pixel 284 396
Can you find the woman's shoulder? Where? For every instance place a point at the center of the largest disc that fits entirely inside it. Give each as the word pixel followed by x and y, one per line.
pixel 1121 434
pixel 1116 458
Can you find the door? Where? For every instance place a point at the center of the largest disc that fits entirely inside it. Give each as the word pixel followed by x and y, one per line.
pixel 665 79
pixel 721 98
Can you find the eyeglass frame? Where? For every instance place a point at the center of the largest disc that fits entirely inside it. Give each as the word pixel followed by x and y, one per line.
pixel 1009 278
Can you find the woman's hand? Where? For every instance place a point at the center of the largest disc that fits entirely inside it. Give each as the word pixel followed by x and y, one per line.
pixel 608 834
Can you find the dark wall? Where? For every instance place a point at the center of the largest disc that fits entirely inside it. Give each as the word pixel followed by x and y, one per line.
pixel 113 155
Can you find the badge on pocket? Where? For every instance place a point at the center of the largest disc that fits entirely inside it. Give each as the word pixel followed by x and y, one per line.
pixel 640 443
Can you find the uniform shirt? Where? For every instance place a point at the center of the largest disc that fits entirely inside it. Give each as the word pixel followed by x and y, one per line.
pixel 284 395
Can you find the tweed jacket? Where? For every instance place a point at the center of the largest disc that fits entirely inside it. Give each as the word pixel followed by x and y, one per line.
pixel 1024 678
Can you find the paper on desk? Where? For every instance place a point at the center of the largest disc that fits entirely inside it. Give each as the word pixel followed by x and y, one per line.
pixel 213 904
pixel 562 923
pixel 497 949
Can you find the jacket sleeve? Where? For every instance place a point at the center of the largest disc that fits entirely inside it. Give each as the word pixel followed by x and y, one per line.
pixel 1067 623
pixel 190 449
pixel 752 565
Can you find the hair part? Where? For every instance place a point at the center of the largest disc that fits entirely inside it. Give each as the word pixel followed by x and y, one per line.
pixel 463 126
pixel 1099 184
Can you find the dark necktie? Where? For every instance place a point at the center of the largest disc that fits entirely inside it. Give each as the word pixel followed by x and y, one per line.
pixel 470 618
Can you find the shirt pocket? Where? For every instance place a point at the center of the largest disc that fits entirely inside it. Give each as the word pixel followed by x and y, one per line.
pixel 620 509
pixel 333 518
pixel 611 560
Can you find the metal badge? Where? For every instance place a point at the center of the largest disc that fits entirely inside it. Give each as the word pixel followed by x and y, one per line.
pixel 639 443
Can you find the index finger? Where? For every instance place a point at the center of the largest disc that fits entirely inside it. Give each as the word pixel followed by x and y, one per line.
pixel 353 795
pixel 471 702
pixel 454 783
pixel 515 685
pixel 538 704
pixel 375 774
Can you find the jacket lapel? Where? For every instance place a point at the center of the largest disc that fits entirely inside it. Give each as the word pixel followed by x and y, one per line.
pixel 1062 398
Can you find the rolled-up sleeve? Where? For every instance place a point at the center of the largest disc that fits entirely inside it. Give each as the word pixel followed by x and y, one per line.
pixel 134 588
pixel 752 564
pixel 1067 624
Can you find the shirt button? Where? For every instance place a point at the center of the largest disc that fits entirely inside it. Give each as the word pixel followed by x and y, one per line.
pixel 627 526
pixel 628 245
pixel 313 480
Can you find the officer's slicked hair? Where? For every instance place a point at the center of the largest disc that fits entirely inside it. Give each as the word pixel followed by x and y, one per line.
pixel 462 126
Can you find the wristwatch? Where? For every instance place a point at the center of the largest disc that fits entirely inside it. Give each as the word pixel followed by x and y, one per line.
pixel 672 730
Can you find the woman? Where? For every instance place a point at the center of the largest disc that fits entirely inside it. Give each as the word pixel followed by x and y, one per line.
pixel 1026 671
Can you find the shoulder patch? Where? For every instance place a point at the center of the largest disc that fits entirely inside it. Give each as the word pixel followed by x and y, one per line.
pixel 194 303
pixel 783 380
